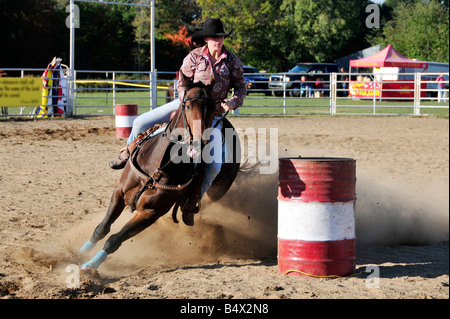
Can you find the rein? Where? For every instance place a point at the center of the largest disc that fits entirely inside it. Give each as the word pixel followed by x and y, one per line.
pixel 221 119
pixel 187 129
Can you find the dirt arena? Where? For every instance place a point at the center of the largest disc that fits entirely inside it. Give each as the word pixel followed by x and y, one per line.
pixel 56 184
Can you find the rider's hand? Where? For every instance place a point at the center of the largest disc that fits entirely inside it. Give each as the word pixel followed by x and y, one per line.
pixel 226 107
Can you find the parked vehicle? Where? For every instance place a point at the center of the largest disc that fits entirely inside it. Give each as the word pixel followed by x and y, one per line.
pixel 291 81
pixel 256 83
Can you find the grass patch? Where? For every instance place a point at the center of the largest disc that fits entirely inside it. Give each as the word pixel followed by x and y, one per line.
pixel 102 103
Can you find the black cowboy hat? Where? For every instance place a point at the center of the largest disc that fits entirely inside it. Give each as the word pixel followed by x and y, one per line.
pixel 210 28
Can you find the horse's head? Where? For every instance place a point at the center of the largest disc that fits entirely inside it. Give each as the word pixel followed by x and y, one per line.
pixel 196 111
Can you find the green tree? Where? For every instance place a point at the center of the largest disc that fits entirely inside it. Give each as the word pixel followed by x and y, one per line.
pixel 104 40
pixel 170 16
pixel 324 28
pixel 418 29
pixel 255 29
pixel 276 34
pixel 31 33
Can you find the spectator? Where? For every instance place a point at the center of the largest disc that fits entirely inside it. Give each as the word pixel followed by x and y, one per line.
pixel 441 86
pixel 305 87
pixel 345 87
pixel 318 88
pixel 342 84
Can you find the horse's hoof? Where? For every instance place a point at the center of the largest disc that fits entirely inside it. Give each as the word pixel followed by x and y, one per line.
pixel 89 271
pixel 87 267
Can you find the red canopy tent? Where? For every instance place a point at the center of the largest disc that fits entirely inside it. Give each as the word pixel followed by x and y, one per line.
pixel 388 57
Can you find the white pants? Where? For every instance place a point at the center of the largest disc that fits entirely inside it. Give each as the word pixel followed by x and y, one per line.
pixel 213 157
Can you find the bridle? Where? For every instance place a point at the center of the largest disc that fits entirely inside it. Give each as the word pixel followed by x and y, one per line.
pixel 186 126
pixel 187 135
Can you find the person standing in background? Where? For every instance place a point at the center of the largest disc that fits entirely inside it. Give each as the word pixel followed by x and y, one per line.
pixel 441 87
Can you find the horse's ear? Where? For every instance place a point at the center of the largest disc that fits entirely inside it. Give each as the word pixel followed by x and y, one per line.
pixel 212 80
pixel 183 79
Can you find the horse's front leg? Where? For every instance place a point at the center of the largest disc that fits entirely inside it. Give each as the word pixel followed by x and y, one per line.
pixel 115 208
pixel 140 221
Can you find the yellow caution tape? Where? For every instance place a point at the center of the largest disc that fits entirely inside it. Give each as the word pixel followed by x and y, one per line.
pixel 119 83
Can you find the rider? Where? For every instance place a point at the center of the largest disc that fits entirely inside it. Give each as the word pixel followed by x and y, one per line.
pixel 209 58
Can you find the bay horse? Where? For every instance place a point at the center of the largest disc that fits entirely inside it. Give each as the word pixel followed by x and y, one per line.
pixel 152 182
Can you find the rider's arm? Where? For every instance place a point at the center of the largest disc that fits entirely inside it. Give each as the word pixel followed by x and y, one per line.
pixel 237 82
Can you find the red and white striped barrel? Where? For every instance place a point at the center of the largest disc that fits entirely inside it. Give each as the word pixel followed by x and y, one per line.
pixel 316 223
pixel 125 115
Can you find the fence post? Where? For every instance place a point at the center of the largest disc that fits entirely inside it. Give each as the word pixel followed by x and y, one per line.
pixel 72 93
pixel 69 93
pixel 333 93
pixel 417 89
pixel 69 106
pixel 374 96
pixel 114 92
pixel 23 107
pixel 284 95
pixel 153 85
pixel 74 88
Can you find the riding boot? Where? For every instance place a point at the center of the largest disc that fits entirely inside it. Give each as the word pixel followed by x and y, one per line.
pixel 125 153
pixel 122 160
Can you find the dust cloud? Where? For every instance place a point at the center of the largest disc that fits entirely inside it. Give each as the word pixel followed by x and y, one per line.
pixel 397 213
pixel 243 224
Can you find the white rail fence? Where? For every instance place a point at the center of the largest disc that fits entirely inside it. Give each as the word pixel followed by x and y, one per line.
pixel 94 93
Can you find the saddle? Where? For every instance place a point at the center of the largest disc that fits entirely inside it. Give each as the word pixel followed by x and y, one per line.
pixel 141 138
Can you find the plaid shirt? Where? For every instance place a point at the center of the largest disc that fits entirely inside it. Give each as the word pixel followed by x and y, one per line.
pixel 228 74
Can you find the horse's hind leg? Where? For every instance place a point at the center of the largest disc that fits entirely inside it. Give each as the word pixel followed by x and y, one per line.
pixel 116 206
pixel 138 223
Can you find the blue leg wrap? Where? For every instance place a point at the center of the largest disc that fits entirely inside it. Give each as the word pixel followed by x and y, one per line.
pixel 87 247
pixel 96 261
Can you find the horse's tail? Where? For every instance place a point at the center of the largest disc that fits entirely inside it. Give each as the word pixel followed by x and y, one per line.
pixel 249 167
pixel 174 212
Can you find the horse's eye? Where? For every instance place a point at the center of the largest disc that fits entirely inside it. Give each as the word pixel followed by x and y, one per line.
pixel 187 106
